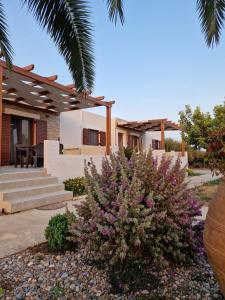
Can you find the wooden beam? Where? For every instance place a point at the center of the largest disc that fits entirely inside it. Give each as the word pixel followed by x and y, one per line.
pixel 162 135
pixel 34 132
pixel 108 130
pixel 70 86
pixel 43 80
pixel 1 112
pixel 21 105
pixel 28 68
pixel 100 97
pixel 52 78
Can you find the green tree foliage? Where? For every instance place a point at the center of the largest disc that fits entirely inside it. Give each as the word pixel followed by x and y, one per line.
pixel 206 131
pixel 195 126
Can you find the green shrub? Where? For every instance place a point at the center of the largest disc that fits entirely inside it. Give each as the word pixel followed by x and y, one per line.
pixel 197 158
pixel 128 152
pixel 138 209
pixel 191 173
pixel 57 232
pixel 76 185
pixel 172 145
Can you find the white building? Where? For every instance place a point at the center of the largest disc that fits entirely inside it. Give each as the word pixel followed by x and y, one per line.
pixel 82 132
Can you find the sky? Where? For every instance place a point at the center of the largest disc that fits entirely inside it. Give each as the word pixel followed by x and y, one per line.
pixel 152 66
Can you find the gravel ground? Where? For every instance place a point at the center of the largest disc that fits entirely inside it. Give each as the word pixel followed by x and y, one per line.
pixel 36 274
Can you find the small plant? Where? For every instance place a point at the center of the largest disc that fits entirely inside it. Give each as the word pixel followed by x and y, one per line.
pixel 76 185
pixel 2 292
pixel 56 292
pixel 191 173
pixel 138 209
pixel 213 182
pixel 128 152
pixel 57 232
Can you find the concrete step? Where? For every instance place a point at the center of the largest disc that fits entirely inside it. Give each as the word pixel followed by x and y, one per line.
pixel 10 194
pixel 23 174
pixel 26 182
pixel 25 203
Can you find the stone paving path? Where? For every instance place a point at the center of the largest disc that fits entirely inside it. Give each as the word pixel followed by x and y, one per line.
pixel 206 176
pixel 25 229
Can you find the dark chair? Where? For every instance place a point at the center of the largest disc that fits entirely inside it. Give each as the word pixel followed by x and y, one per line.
pixel 21 155
pixel 38 156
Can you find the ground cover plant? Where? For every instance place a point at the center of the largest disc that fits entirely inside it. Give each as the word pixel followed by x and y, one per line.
pixel 207 191
pixel 191 172
pixel 138 209
pixel 76 185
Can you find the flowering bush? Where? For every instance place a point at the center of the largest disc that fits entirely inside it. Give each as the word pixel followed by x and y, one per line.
pixel 138 208
pixel 216 151
pixel 76 185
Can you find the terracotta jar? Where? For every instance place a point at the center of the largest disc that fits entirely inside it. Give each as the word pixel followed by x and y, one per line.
pixel 214 235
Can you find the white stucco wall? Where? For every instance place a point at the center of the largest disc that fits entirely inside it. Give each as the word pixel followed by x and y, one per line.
pixel 66 166
pixel 72 124
pixel 174 155
pixel 69 166
pixel 148 136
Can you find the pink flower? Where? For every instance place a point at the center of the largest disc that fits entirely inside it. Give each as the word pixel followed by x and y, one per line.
pixel 149 203
pixel 105 232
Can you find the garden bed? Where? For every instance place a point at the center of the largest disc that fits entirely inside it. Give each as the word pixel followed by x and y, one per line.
pixel 37 274
pixel 206 192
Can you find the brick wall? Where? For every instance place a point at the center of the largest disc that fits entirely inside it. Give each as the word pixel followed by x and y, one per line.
pixel 41 131
pixel 53 127
pixel 6 139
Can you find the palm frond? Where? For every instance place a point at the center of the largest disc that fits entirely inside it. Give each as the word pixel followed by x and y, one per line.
pixel 68 23
pixel 211 15
pixel 5 45
pixel 115 8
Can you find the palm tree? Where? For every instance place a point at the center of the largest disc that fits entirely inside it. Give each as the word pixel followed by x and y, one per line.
pixel 68 23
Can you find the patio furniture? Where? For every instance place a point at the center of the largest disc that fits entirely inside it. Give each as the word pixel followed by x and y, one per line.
pixel 23 153
pixel 38 156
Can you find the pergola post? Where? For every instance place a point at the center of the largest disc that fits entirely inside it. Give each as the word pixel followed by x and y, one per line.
pixel 162 135
pixel 34 132
pixel 1 112
pixel 108 129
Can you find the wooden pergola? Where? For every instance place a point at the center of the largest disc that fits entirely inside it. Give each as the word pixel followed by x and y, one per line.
pixel 26 89
pixel 161 125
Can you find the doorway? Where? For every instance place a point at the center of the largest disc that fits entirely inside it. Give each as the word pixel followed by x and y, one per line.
pixel 21 133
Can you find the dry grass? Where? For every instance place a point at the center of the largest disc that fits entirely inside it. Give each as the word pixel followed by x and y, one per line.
pixel 206 192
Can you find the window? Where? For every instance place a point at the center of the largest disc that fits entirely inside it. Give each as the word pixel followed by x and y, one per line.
pixel 155 145
pixel 120 140
pixel 94 137
pixel 133 142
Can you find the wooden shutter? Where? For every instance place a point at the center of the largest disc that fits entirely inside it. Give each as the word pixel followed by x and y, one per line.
pixel 102 138
pixel 85 136
pixel 129 142
pixel 6 136
pixel 41 133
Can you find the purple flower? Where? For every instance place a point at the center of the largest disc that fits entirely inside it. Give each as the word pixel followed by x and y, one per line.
pixel 105 232
pixel 149 203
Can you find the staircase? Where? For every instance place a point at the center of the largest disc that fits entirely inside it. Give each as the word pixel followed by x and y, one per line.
pixel 23 190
